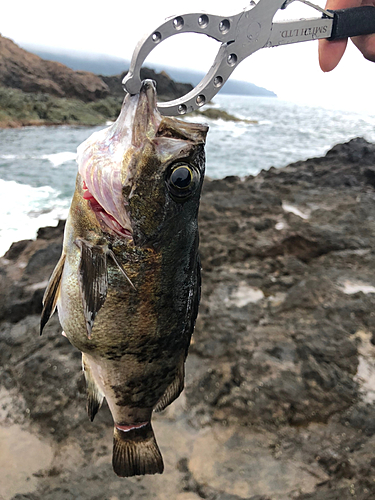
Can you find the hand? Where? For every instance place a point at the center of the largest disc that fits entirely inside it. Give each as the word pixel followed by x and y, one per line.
pixel 330 53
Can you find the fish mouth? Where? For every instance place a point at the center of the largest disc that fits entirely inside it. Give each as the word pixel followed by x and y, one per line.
pixel 104 160
pixel 106 220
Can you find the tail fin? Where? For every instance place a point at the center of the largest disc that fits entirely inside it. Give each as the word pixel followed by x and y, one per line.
pixel 136 452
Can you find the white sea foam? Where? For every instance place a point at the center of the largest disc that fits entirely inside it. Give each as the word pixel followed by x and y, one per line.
pixel 24 209
pixel 8 157
pixel 238 132
pixel 14 157
pixel 58 159
pixel 285 133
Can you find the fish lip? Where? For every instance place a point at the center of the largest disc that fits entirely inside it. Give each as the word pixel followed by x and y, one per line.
pixel 148 88
pixel 146 117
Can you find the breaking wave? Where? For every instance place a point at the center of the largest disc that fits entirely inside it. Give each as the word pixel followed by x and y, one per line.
pixel 38 168
pixel 56 159
pixel 24 209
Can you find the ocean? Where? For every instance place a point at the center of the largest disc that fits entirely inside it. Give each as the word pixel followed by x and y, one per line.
pixel 38 168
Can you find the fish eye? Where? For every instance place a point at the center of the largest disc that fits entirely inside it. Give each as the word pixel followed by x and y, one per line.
pixel 181 177
pixel 182 181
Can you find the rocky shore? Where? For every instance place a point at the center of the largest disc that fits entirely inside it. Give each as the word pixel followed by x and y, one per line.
pixel 34 91
pixel 280 385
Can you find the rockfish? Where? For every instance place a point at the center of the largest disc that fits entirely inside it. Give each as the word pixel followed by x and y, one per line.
pixel 127 285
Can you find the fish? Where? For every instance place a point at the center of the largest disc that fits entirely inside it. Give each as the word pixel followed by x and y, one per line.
pixel 127 284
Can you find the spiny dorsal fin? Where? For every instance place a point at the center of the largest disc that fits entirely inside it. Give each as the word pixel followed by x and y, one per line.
pixel 94 394
pixel 136 452
pixel 93 281
pixel 173 390
pixel 52 293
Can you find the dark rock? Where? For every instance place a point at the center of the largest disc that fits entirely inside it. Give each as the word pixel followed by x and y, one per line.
pixel 16 249
pixel 166 87
pixel 369 174
pixel 47 256
pixel 23 279
pixel 50 232
pixel 345 165
pixel 361 418
pixel 274 379
pixel 357 150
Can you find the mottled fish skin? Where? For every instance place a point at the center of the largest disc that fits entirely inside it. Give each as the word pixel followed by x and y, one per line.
pixel 128 284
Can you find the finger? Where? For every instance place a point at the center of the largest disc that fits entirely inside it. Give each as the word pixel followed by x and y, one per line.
pixel 366 44
pixel 331 52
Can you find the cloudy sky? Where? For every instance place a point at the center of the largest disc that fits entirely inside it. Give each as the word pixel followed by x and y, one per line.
pixel 113 27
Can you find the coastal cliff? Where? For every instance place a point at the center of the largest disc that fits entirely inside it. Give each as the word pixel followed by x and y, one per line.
pixel 28 72
pixel 34 91
pixel 279 398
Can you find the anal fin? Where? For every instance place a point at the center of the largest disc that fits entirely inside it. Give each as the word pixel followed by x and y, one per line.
pixel 52 293
pixel 173 390
pixel 94 394
pixel 93 280
pixel 135 452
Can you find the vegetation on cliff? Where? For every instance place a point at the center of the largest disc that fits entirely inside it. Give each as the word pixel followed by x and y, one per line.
pixel 34 91
pixel 19 108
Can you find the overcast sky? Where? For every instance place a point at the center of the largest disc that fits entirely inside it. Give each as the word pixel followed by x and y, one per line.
pixel 114 27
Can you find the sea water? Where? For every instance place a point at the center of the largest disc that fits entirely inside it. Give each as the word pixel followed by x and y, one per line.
pixel 38 168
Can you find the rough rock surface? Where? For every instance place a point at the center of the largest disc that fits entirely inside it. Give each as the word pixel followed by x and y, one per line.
pixel 280 386
pixel 34 91
pixel 22 70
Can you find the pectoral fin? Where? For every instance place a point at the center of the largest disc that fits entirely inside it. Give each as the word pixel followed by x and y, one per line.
pixel 93 281
pixel 94 394
pixel 52 293
pixel 173 390
pixel 113 256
